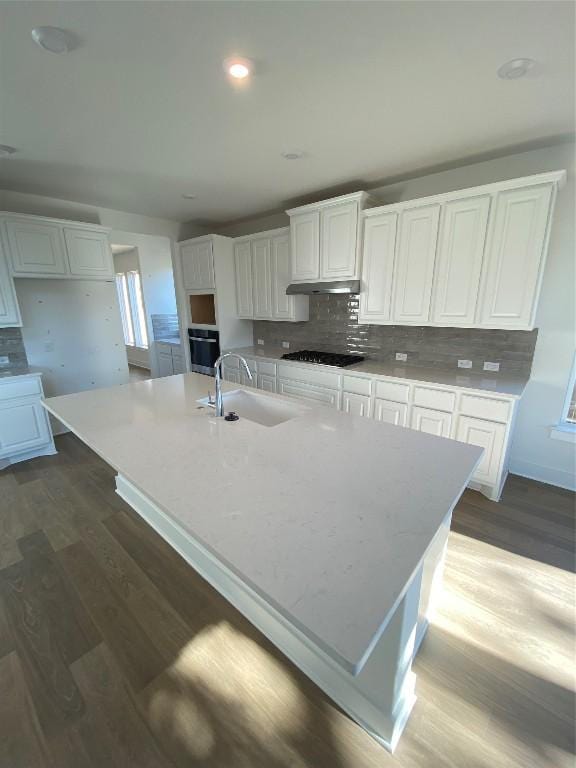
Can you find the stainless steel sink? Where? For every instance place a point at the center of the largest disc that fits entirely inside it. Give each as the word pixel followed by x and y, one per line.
pixel 260 408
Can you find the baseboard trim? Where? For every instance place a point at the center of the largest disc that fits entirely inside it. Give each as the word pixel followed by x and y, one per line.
pixel 548 475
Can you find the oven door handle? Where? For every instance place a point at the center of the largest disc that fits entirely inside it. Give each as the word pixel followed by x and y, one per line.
pixel 206 341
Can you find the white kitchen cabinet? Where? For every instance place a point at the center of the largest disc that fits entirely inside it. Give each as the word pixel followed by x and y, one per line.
pixel 459 260
pixel 36 247
pixel 489 436
pixel 170 359
pixel 89 253
pixel 24 427
pixel 356 405
pixel 165 364
pixel 243 277
pixel 414 268
pixel 294 308
pixel 324 239
pixel 262 279
pixel 390 412
pixel 516 256
pixel 378 268
pixel 231 374
pixel 267 382
pixel 431 421
pixel 339 232
pixel 305 245
pixel 197 265
pixel 9 310
pixel 310 392
pixel 178 365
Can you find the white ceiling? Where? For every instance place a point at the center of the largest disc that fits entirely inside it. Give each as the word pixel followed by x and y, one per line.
pixel 141 112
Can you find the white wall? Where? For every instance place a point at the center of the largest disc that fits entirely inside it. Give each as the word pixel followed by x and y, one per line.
pixel 534 453
pixel 72 331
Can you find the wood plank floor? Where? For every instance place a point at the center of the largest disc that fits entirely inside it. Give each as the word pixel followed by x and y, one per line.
pixel 114 653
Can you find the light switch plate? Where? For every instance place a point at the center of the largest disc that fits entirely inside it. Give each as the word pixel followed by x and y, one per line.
pixel 464 363
pixel 261 342
pixel 492 367
pixel 286 344
pixel 4 360
pixel 402 356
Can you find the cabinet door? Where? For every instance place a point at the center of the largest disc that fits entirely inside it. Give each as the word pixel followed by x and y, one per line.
pixel 244 380
pixel 489 436
pixel 515 257
pixel 390 412
pixel 261 279
pixel 197 266
pixel 431 421
pixel 459 260
pixel 177 363
pixel 165 365
pixel 243 272
pixel 338 241
pixel 89 253
pixel 377 268
pixel 305 245
pixel 36 248
pixel 310 392
pixel 23 426
pixel 266 382
pixel 9 311
pixel 282 305
pixel 357 405
pixel 415 264
pixel 231 374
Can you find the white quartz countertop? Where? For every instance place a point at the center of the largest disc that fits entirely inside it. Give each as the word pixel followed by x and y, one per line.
pixel 501 383
pixel 326 516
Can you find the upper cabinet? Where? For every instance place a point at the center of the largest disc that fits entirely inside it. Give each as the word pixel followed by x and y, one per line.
pixel 42 247
pixel 9 310
pixel 262 271
pixel 324 239
pixel 472 258
pixel 197 265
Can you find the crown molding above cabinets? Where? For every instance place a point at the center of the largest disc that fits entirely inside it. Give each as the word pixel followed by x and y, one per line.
pixel 473 258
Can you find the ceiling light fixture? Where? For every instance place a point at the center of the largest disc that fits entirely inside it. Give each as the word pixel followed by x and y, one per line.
pixel 189 196
pixel 515 68
pixel 238 68
pixel 54 39
pixel 295 154
pixel 6 151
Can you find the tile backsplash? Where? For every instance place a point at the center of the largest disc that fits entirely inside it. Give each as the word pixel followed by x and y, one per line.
pixel 333 326
pixel 165 326
pixel 12 346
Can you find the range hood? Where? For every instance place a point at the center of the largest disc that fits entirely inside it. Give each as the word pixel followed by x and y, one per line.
pixel 337 286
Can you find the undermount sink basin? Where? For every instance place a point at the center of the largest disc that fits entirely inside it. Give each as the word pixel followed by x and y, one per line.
pixel 264 410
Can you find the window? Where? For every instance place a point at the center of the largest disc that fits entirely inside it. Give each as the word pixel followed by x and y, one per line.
pixel 129 288
pixel 566 430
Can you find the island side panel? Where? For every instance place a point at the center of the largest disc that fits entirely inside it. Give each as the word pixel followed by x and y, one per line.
pixel 432 579
pixel 379 697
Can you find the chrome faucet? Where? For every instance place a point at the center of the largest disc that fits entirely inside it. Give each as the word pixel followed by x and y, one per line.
pixel 219 404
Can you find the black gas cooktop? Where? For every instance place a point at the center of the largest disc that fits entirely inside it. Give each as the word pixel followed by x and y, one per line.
pixel 324 358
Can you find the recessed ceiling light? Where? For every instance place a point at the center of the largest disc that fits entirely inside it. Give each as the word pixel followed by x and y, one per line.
pixel 515 68
pixel 189 196
pixel 295 154
pixel 54 39
pixel 6 151
pixel 238 68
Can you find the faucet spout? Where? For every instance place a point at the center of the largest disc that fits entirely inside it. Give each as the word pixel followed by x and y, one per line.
pixel 219 404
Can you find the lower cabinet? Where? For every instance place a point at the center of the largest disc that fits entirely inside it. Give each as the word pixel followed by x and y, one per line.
pixel 487 435
pixel 390 412
pixel 170 359
pixel 24 426
pixel 433 422
pixel 266 382
pixel 356 405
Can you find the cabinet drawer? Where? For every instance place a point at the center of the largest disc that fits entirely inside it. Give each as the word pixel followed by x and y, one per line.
pixel 309 375
pixel 388 390
pixel 268 369
pixel 20 388
pixel 356 385
pixel 485 407
pixel 441 399
pixel 308 392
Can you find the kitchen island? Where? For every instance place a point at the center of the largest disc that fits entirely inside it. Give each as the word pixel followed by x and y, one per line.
pixel 326 531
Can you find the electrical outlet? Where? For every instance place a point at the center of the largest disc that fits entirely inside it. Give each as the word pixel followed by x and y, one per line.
pixel 464 363
pixel 261 342
pixel 4 360
pixel 402 356
pixel 286 345
pixel 492 367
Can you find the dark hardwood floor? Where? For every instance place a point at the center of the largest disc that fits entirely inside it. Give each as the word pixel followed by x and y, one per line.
pixel 114 653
